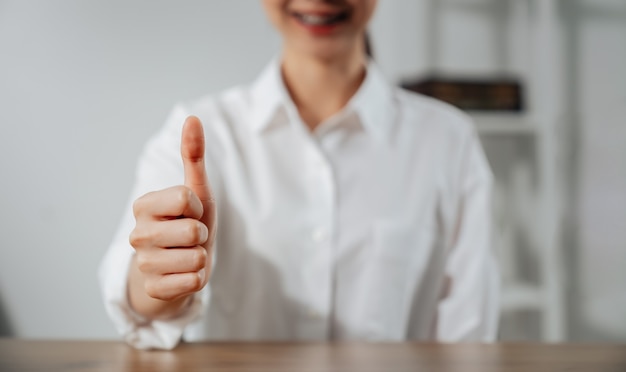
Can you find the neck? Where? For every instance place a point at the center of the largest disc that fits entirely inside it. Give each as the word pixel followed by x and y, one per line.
pixel 322 87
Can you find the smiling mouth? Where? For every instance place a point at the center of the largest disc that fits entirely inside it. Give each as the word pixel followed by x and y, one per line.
pixel 321 19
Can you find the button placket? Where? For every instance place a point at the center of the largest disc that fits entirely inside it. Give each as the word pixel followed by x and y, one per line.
pixel 321 195
pixel 318 273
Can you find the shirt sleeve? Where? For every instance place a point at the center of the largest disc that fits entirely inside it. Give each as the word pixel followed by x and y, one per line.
pixel 159 167
pixel 469 309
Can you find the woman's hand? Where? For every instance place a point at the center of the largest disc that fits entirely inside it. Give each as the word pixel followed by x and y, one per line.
pixel 173 236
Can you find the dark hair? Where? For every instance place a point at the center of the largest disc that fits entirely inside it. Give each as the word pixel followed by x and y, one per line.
pixel 368 45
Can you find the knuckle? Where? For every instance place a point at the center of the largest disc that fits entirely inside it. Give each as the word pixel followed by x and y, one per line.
pixel 152 289
pixel 137 238
pixel 183 198
pixel 192 283
pixel 144 264
pixel 137 207
pixel 140 205
pixel 195 231
pixel 190 232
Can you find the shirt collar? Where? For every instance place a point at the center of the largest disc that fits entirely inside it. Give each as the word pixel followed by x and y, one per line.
pixel 373 102
pixel 268 96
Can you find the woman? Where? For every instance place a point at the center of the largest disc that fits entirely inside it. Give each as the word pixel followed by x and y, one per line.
pixel 347 208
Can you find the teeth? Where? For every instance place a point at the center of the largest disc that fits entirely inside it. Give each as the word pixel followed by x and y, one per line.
pixel 317 19
pixel 314 19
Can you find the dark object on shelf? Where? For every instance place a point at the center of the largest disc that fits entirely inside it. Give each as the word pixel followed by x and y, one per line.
pixel 472 94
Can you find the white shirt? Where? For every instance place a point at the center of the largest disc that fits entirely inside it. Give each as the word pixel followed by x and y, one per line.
pixel 374 227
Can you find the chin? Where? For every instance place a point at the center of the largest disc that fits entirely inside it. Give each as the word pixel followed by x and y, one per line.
pixel 327 54
pixel 327 50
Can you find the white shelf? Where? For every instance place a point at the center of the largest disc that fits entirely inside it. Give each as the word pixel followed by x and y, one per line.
pixel 531 25
pixel 503 124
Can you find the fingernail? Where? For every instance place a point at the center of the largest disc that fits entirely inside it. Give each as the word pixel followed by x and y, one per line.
pixel 201 274
pixel 204 233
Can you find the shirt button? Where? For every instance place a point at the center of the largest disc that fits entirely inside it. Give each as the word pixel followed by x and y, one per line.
pixel 319 235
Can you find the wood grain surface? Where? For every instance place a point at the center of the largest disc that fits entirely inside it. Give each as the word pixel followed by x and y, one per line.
pixel 49 356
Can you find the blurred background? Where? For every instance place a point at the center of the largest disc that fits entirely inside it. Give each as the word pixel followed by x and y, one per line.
pixel 83 84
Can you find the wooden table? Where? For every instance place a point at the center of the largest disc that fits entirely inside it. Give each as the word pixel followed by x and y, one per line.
pixel 50 356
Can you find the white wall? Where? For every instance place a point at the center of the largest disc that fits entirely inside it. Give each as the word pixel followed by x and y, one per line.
pixel 602 177
pixel 84 83
pixel 82 86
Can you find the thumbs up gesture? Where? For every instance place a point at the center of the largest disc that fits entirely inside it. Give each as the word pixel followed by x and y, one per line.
pixel 173 236
pixel 192 152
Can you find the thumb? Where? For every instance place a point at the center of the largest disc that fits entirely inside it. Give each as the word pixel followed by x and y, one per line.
pixel 192 152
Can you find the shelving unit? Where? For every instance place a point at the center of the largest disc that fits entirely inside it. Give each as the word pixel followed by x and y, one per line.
pixel 538 126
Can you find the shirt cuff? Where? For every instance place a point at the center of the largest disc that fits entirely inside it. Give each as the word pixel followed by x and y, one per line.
pixel 143 333
pixel 138 331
